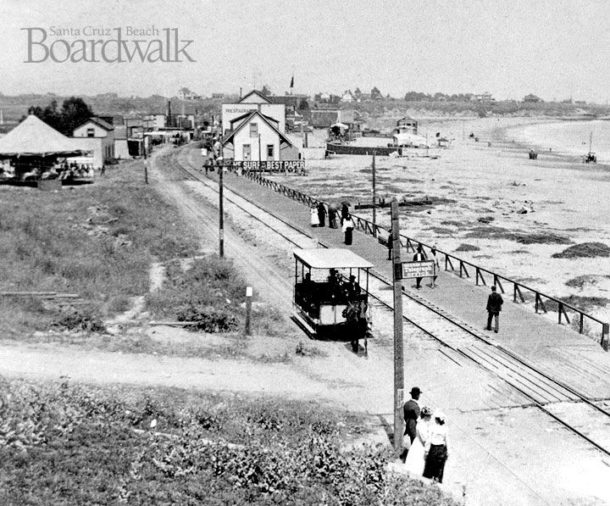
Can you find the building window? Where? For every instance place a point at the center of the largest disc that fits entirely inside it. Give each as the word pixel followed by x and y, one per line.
pixel 270 151
pixel 90 132
pixel 253 129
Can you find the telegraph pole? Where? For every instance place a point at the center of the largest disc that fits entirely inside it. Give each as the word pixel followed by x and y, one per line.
pixel 221 231
pixel 399 374
pixel 374 199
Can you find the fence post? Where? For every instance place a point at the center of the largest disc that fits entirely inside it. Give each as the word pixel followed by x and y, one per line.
pixel 248 310
pixel 559 310
pixel 604 341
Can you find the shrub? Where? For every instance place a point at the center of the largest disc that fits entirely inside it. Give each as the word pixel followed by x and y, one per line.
pixel 585 250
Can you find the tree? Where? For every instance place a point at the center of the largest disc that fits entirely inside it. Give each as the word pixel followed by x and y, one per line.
pixel 74 112
pixel 266 90
pixel 375 93
pixel 303 105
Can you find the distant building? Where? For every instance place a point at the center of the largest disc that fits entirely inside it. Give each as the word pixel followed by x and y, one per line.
pixel 324 118
pixel 218 95
pixel 531 98
pixel 96 135
pixel 406 125
pixel 484 98
pixel 186 94
pixel 348 97
pixel 257 137
pixel 253 101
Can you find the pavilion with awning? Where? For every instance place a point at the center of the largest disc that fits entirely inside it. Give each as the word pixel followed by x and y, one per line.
pixel 34 145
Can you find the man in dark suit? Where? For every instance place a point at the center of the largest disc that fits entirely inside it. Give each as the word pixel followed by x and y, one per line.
pixel 494 306
pixel 420 256
pixel 411 413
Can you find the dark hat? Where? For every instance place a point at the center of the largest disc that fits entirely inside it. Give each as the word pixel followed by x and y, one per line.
pixel 415 391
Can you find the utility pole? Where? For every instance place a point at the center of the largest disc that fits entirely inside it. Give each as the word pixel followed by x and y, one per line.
pixel 221 232
pixel 399 374
pixel 374 200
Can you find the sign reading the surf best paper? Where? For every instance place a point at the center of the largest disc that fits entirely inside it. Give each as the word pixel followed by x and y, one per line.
pixel 110 45
pixel 417 269
pixel 273 166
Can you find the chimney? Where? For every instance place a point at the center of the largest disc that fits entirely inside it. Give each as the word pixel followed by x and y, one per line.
pixel 169 113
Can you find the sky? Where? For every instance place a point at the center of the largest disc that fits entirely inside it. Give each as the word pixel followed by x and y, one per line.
pixel 555 49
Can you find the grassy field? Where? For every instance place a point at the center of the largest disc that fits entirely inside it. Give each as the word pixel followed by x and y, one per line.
pixel 64 444
pixel 94 240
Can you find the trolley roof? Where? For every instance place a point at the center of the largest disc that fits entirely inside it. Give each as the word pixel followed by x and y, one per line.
pixel 331 258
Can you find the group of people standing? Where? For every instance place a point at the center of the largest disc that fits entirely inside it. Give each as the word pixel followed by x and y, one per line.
pixel 427 433
pixel 319 212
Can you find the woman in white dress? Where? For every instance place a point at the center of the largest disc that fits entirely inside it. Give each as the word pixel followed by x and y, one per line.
pixel 416 457
pixel 314 220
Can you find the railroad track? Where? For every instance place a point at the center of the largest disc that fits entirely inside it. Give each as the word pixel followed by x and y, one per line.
pixel 539 388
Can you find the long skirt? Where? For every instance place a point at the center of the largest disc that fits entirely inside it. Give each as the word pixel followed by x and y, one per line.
pixel 435 463
pixel 321 218
pixel 348 235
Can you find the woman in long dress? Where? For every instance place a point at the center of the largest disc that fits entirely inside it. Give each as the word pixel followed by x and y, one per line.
pixel 348 229
pixel 314 220
pixel 436 449
pixel 416 457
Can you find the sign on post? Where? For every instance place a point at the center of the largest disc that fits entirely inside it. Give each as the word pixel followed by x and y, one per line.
pixel 422 269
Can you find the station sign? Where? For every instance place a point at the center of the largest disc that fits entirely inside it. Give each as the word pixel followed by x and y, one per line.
pixel 272 166
pixel 418 269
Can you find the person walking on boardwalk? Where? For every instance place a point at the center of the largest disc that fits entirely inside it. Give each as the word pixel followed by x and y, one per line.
pixel 390 243
pixel 419 257
pixel 332 216
pixel 321 214
pixel 494 306
pixel 437 266
pixel 436 449
pixel 344 211
pixel 416 458
pixel 348 229
pixel 314 220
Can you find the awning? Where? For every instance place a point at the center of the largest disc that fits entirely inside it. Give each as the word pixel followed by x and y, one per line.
pixel 331 258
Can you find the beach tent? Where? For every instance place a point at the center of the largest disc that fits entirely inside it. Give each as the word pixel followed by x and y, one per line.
pixel 409 139
pixel 342 126
pixel 34 138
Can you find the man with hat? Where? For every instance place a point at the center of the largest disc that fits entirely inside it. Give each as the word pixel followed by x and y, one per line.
pixel 411 413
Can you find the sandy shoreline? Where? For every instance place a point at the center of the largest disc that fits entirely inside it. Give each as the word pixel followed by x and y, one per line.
pixel 492 201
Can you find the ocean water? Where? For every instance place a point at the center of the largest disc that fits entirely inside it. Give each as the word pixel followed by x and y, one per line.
pixel 569 137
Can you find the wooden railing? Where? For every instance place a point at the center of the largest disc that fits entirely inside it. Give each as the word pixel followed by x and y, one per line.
pixel 520 293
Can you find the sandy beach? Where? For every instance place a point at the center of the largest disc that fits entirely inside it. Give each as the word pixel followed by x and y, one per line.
pixel 493 206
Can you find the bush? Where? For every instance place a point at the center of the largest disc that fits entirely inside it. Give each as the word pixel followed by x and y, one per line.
pixel 79 319
pixel 209 449
pixel 585 250
pixel 208 318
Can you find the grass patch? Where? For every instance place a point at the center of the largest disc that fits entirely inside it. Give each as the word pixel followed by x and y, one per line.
pixel 584 250
pixel 96 240
pixel 143 446
pixel 493 232
pixel 208 292
pixel 588 279
pixel 583 303
pixel 467 247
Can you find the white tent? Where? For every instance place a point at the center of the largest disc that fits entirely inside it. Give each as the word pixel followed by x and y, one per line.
pixel 342 126
pixel 33 137
pixel 409 139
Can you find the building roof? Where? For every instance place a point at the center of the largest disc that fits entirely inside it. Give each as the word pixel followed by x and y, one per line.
pixel 249 113
pixel 33 137
pixel 246 121
pixel 254 92
pixel 331 258
pixel 99 122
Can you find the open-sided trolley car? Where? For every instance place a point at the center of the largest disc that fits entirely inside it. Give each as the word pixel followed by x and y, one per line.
pixel 331 293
